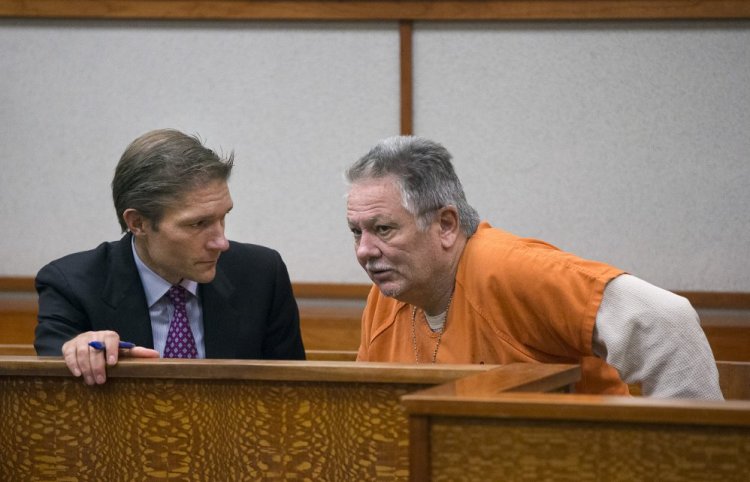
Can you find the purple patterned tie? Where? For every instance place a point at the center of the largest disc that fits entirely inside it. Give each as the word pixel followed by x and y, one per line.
pixel 180 341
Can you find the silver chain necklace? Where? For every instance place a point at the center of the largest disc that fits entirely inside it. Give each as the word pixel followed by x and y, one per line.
pixel 440 333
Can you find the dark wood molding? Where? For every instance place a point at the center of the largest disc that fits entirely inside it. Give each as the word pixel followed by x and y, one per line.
pixel 378 10
pixel 406 28
pixel 16 284
pixel 419 449
pixel 288 370
pixel 717 299
pixel 331 290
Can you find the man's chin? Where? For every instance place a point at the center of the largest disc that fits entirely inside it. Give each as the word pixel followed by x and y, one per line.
pixel 390 290
pixel 205 276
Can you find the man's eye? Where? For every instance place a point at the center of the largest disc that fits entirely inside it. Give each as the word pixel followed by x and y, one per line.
pixel 197 224
pixel 383 230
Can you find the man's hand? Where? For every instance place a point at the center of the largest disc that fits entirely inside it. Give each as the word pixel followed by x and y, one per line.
pixel 84 360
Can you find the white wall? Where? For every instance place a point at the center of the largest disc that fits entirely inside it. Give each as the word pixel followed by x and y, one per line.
pixel 623 142
pixel 295 101
pixel 618 141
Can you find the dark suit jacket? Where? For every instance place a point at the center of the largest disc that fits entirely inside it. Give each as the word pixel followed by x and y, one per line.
pixel 249 310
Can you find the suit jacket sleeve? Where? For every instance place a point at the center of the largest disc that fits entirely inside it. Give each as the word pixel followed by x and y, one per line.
pixel 61 315
pixel 90 291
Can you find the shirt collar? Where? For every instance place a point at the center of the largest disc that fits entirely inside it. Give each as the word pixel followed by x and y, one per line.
pixel 154 285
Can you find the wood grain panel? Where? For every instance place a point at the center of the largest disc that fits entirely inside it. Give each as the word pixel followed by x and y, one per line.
pixel 494 449
pixel 212 420
pixel 535 436
pixel 379 10
pixel 128 429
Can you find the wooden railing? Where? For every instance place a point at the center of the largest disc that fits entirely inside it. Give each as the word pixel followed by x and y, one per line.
pixel 240 420
pixel 224 419
pixel 511 436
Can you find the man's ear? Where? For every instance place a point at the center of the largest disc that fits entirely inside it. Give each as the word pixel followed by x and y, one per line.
pixel 449 226
pixel 135 221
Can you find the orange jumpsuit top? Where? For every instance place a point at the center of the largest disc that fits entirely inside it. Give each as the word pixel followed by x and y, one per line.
pixel 515 300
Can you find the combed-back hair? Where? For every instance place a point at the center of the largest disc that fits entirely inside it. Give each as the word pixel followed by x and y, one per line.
pixel 159 168
pixel 425 177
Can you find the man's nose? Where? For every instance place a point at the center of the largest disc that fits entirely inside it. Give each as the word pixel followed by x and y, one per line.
pixel 218 240
pixel 367 247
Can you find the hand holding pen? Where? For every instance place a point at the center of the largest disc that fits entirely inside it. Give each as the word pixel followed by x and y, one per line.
pixel 123 345
pixel 89 353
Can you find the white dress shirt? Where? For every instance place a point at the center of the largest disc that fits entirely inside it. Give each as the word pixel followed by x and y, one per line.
pixel 160 307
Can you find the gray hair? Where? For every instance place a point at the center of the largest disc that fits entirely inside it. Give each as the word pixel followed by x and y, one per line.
pixel 425 177
pixel 159 168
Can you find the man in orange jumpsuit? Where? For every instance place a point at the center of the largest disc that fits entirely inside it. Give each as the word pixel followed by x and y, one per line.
pixel 451 289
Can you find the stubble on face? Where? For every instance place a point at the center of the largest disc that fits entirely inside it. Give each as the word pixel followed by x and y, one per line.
pixel 388 242
pixel 190 236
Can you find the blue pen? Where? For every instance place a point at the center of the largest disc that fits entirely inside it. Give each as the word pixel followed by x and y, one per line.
pixel 97 345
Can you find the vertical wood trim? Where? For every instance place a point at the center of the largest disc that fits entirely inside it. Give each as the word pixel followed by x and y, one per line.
pixel 420 465
pixel 406 28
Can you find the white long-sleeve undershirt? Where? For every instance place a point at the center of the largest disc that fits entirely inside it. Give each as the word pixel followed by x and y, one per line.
pixel 653 337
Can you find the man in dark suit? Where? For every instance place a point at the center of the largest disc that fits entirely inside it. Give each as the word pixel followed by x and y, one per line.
pixel 173 286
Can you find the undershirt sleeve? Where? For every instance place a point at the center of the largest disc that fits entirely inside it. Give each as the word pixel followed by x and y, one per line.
pixel 653 337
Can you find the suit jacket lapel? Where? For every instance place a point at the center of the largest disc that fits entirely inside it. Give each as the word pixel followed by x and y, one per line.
pixel 221 321
pixel 123 291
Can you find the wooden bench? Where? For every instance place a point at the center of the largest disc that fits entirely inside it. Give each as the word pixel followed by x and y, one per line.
pixel 330 318
pixel 17 318
pixel 326 324
pixel 336 326
pixel 465 434
pixel 224 419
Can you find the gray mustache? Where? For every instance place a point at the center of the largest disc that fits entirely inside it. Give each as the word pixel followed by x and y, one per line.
pixel 376 267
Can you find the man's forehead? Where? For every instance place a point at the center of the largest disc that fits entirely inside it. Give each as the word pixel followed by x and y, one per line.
pixel 370 220
pixel 208 197
pixel 378 190
pixel 375 200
